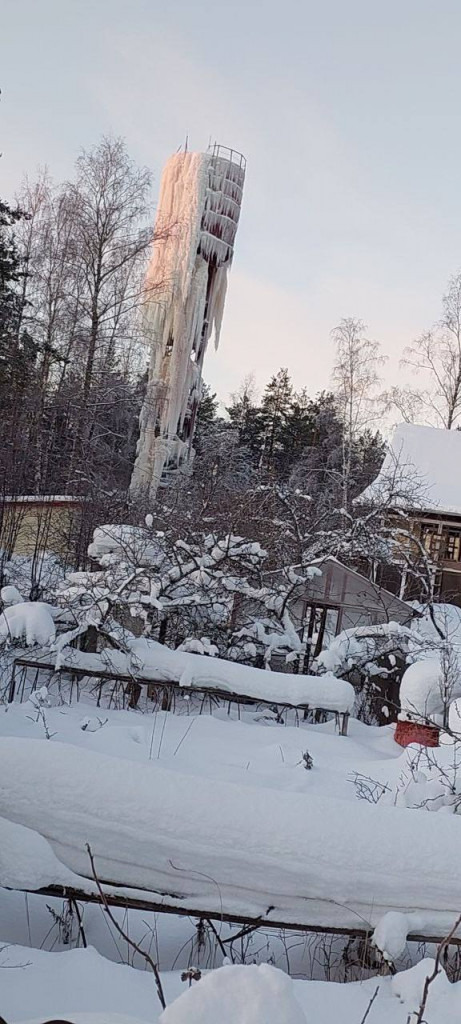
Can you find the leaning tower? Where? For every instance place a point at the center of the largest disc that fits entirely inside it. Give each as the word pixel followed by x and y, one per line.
pixel 197 218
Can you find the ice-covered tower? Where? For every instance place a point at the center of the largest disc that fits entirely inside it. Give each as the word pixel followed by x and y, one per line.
pixel 197 218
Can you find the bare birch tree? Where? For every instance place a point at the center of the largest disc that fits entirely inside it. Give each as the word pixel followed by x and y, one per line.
pixel 107 206
pixel 436 357
pixel 356 380
pixel 85 245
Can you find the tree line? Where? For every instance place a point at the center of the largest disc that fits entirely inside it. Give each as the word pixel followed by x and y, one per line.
pixel 72 259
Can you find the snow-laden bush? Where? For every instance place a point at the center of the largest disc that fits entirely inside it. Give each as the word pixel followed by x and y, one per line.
pixel 30 622
pixel 35 578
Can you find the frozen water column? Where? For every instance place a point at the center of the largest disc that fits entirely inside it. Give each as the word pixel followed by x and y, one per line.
pixel 198 213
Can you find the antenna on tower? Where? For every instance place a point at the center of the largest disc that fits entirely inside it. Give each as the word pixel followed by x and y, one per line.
pixel 186 142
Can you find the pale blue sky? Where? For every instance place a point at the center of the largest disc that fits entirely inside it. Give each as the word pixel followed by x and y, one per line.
pixel 348 112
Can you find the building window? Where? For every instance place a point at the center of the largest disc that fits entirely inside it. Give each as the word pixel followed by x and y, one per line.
pixel 452 545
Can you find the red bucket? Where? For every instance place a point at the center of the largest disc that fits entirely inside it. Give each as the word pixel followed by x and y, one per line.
pixel 416 732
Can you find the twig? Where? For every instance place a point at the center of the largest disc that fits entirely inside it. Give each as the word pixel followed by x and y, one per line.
pixel 431 977
pixel 243 932
pixel 183 737
pixel 370 1004
pixel 218 938
pixel 73 903
pixel 123 934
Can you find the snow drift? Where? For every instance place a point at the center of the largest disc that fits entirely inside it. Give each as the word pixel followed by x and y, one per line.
pixel 219 846
pixel 238 994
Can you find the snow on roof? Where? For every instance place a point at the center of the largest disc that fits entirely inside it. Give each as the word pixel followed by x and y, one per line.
pixel 375 588
pixel 421 469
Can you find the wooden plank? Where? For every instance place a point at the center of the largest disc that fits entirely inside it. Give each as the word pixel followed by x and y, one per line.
pixel 128 902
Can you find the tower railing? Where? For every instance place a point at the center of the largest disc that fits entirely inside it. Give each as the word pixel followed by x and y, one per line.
pixel 224 153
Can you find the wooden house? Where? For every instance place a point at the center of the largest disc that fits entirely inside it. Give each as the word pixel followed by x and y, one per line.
pixel 421 477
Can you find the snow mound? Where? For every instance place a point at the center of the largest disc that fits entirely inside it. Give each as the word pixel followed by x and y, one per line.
pixel 238 994
pixel 76 985
pixel 11 595
pixel 31 621
pixel 222 845
pixel 131 544
pixel 408 986
pixel 91 1018
pixel 421 689
pixel 390 934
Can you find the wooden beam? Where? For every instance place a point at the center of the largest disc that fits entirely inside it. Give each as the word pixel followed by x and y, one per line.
pixel 128 902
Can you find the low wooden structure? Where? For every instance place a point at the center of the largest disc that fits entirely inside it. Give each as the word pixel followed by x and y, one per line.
pixel 165 904
pixel 336 599
pixel 164 693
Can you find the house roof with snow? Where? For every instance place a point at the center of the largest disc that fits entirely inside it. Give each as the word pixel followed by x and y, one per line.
pixel 336 585
pixel 421 470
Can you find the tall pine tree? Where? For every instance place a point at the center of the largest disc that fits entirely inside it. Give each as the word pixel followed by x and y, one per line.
pixel 275 409
pixel 17 351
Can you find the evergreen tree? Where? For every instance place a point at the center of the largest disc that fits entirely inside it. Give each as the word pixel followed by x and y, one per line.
pixel 318 469
pixel 206 419
pixel 275 407
pixel 246 418
pixel 368 453
pixel 17 350
pixel 18 353
pixel 207 409
pixel 296 432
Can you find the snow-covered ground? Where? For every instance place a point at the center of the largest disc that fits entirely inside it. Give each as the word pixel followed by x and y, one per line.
pixel 252 772
pixel 86 988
